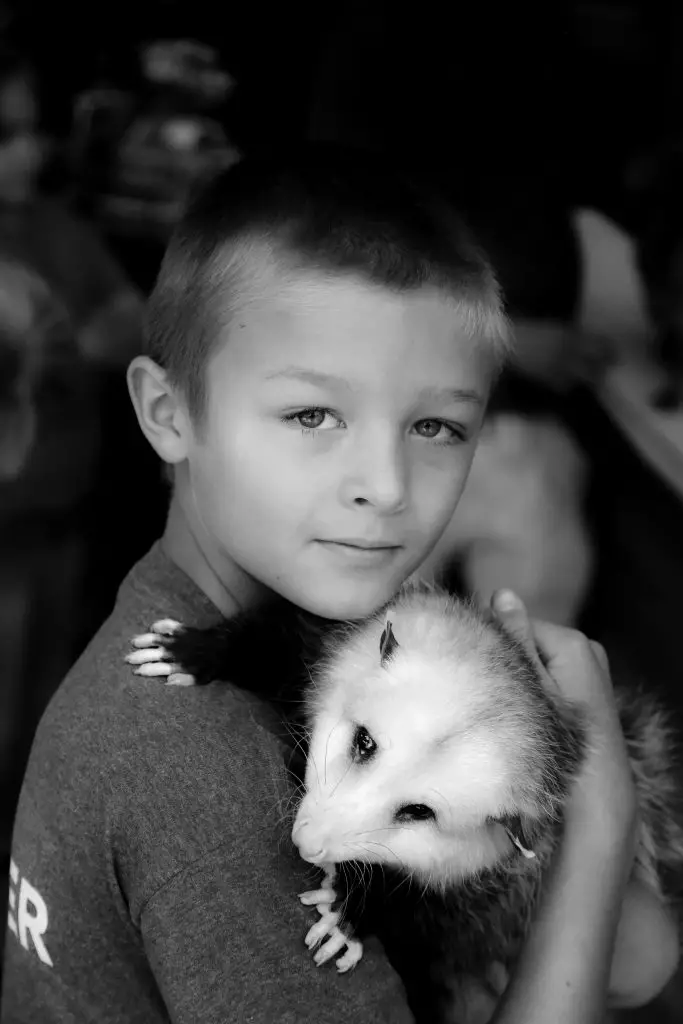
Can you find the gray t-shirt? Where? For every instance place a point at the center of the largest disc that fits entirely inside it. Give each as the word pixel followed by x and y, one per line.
pixel 152 876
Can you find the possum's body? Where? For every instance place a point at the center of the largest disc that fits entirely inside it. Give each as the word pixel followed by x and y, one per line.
pixel 436 754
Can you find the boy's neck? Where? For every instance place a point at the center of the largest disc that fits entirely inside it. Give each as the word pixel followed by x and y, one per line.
pixel 223 582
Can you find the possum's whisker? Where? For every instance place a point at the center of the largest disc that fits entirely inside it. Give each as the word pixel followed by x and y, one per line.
pixel 406 880
pixel 427 886
pixel 363 870
pixel 360 869
pixel 298 735
pixel 327 744
pixel 363 874
pixel 288 807
pixel 312 760
pixel 439 794
pixel 383 846
pixel 339 782
pixel 281 810
pixel 284 815
pixel 387 828
pixel 311 678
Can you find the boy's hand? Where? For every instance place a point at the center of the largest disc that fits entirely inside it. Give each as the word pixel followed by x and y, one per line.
pixel 601 821
pixel 578 669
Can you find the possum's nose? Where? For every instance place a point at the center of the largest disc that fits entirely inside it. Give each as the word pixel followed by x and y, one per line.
pixel 309 846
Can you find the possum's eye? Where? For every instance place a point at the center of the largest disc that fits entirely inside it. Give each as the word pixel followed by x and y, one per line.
pixel 363 744
pixel 414 812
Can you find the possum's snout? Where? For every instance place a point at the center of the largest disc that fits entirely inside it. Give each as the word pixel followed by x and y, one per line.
pixel 324 831
pixel 307 839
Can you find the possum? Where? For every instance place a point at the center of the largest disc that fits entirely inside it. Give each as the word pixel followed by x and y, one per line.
pixel 436 772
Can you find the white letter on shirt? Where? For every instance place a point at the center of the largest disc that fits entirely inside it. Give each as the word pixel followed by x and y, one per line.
pixel 35 923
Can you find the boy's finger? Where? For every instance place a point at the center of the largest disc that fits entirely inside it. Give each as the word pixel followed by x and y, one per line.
pixel 513 615
pixel 601 655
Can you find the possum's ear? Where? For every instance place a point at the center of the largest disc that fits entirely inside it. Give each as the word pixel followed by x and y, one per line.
pixel 387 643
pixel 512 823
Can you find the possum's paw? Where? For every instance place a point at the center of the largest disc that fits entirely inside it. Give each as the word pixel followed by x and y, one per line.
pixel 328 928
pixel 153 659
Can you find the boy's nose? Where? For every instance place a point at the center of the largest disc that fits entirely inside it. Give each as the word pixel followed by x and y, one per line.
pixel 379 478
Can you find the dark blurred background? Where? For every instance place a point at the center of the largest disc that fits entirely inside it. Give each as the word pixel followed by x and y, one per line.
pixel 530 115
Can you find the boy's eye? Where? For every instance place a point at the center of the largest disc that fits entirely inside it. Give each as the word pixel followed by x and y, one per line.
pixel 311 419
pixel 431 428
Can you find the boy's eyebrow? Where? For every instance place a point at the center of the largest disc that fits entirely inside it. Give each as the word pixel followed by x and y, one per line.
pixel 327 379
pixel 309 376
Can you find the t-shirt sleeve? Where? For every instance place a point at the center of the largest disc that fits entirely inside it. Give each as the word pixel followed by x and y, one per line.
pixel 224 947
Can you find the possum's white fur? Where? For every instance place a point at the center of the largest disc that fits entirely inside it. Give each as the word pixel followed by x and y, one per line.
pixel 455 731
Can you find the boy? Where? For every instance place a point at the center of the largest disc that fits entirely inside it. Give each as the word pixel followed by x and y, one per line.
pixel 321 342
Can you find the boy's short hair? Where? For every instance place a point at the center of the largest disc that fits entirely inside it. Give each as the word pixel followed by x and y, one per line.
pixel 315 207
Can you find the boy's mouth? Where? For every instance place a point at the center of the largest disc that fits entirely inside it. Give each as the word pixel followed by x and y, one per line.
pixel 361 552
pixel 365 545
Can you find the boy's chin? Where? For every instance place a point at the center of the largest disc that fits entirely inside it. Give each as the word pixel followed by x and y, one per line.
pixel 355 603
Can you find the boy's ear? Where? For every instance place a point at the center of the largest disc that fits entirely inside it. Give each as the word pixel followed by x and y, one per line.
pixel 161 413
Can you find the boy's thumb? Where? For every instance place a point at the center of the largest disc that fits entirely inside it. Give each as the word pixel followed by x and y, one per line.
pixel 513 616
pixel 508 606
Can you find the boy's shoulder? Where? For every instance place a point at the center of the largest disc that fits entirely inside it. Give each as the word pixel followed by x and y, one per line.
pixel 142 716
pixel 118 747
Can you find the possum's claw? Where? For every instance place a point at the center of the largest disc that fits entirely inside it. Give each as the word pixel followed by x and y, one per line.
pixel 152 658
pixel 167 627
pixel 328 927
pixel 160 629
pixel 149 655
pixel 334 945
pixel 352 956
pixel 317 896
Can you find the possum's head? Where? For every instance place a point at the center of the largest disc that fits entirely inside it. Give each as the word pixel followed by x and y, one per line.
pixel 434 744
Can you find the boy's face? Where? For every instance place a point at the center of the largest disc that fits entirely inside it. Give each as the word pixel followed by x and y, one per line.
pixel 340 426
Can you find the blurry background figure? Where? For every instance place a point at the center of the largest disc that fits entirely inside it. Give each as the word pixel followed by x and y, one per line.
pixel 104 306
pixel 578 306
pixel 21 356
pixel 146 131
pixel 654 187
pixel 521 521
pixel 49 444
pixel 22 146
pixel 70 321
